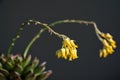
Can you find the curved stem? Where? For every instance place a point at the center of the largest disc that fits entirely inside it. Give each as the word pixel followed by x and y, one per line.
pixel 39 34
pixel 80 22
pixel 16 37
pixel 47 27
pixel 34 39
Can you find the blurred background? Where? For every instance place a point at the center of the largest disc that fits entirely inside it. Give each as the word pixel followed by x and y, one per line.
pixel 106 13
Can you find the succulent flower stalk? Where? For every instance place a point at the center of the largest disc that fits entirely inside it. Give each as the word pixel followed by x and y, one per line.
pixel 21 67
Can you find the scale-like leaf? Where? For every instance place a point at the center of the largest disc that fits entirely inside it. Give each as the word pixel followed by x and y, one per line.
pixel 18 68
pixel 30 76
pixel 26 61
pixel 44 75
pixel 39 70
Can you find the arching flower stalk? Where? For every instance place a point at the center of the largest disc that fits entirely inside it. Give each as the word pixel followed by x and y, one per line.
pixel 21 67
pixel 107 40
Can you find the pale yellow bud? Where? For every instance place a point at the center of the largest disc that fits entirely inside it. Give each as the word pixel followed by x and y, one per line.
pixel 63 53
pixel 74 55
pixel 105 54
pixel 103 35
pixel 66 43
pixel 108 35
pixel 73 44
pixel 101 54
pixel 113 45
pixel 67 51
pixel 110 49
pixel 105 43
pixel 58 53
pixel 112 42
pixel 70 58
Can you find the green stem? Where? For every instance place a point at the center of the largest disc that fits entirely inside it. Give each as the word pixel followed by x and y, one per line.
pixel 15 38
pixel 18 35
pixel 38 35
pixel 32 41
pixel 34 38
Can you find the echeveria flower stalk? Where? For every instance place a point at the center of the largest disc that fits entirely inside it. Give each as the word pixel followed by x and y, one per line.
pixel 21 67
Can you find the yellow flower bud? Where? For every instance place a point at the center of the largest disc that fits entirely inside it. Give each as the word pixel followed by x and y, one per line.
pixel 58 53
pixel 108 35
pixel 66 43
pixel 63 53
pixel 113 45
pixel 70 58
pixel 110 49
pixel 73 44
pixel 102 35
pixel 74 53
pixel 105 43
pixel 67 51
pixel 112 42
pixel 105 54
pixel 101 54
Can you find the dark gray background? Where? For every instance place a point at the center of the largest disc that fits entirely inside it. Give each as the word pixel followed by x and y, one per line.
pixel 106 13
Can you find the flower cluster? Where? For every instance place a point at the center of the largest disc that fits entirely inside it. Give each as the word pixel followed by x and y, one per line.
pixel 108 45
pixel 68 50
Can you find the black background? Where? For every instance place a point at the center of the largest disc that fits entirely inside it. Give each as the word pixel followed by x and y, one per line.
pixel 106 13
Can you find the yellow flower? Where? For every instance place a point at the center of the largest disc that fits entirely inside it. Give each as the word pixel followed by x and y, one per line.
pixel 105 43
pixel 112 43
pixel 68 50
pixel 103 53
pixel 108 45
pixel 107 35
pixel 73 54
pixel 69 43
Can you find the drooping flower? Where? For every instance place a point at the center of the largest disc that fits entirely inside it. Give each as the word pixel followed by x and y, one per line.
pixel 108 45
pixel 68 50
